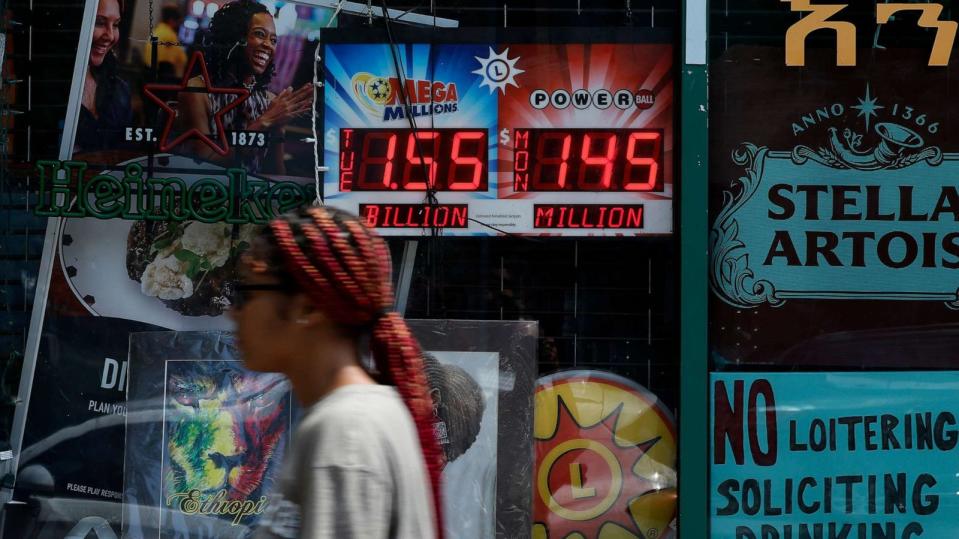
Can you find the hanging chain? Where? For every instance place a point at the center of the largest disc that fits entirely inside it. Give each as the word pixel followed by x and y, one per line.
pixel 160 43
pixel 150 34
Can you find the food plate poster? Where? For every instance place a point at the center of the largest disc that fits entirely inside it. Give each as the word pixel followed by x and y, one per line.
pixel 168 163
pixel 853 454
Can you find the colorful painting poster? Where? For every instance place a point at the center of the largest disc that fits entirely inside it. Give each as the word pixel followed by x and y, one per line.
pixel 605 459
pixel 834 454
pixel 205 438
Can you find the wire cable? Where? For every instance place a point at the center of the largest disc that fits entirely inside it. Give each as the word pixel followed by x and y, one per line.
pixel 431 199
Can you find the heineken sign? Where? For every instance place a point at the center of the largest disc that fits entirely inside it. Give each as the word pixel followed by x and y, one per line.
pixel 230 196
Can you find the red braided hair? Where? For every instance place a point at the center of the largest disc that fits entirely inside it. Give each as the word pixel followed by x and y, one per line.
pixel 345 267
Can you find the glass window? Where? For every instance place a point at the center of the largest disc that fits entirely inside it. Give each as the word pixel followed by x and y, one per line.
pixel 832 316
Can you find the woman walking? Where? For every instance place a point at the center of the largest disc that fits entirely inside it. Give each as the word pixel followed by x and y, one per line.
pixel 364 462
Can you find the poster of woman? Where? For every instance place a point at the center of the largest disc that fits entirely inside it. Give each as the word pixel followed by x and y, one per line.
pixel 186 90
pixel 222 83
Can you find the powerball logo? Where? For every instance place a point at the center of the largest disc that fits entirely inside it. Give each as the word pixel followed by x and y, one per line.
pixel 382 98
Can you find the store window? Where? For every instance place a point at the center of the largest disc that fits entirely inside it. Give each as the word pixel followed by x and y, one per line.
pixel 522 160
pixel 833 303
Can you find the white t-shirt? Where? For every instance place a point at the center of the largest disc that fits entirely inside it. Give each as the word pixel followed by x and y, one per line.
pixel 354 470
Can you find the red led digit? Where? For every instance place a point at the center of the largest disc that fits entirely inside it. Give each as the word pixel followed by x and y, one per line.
pixel 560 161
pixel 604 160
pixel 444 159
pixel 473 161
pixel 386 161
pixel 413 160
pixel 650 162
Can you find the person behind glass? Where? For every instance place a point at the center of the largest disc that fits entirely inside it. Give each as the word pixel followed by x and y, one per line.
pixel 239 52
pixel 364 462
pixel 171 58
pixel 105 110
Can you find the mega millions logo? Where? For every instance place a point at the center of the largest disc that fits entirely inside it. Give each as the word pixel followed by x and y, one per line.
pixel 383 97
pixel 605 459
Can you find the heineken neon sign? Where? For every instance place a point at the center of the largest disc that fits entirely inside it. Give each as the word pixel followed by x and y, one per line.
pixel 66 191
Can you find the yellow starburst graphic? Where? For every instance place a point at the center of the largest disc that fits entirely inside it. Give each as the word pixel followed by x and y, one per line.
pixel 605 459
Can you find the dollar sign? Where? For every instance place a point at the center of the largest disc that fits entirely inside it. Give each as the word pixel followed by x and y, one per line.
pixel 504 136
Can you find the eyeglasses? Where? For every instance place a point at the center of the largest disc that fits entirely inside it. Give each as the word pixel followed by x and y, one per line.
pixel 241 292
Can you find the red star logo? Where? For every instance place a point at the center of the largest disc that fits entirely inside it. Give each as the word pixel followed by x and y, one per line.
pixel 150 91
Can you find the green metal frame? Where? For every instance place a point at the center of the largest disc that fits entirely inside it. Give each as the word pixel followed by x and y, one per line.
pixel 694 262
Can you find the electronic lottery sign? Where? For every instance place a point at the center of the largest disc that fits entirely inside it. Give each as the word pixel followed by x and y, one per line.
pixel 501 136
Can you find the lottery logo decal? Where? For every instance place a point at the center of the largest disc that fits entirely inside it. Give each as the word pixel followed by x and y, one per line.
pixel 382 97
pixel 498 70
pixel 605 459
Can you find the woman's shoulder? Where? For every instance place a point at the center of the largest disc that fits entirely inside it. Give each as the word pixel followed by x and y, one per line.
pixel 197 99
pixel 371 411
pixel 360 400
pixel 356 426
pixel 196 82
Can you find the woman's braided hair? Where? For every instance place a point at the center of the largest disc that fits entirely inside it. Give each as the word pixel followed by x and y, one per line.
pixel 458 403
pixel 344 267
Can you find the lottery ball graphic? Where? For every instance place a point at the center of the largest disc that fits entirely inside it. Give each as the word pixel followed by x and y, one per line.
pixel 605 459
pixel 379 90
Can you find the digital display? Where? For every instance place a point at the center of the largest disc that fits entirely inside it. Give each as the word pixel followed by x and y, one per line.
pixel 555 139
pixel 588 216
pixel 404 160
pixel 600 160
pixel 415 215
